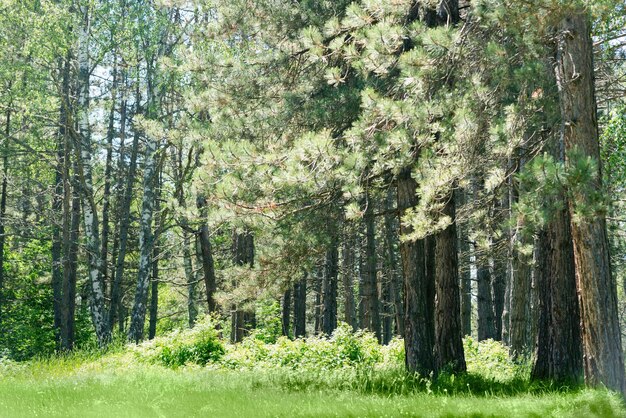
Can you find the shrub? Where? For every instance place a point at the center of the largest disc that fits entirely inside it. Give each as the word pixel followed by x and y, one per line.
pixel 200 345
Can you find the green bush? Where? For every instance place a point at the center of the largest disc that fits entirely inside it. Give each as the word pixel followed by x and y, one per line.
pixel 200 345
pixel 491 360
pixel 343 349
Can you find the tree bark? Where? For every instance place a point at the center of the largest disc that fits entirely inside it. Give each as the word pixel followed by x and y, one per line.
pixel 206 255
pixel 90 212
pixel 299 308
pixel 243 254
pixel 192 308
pixel 448 342
pixel 558 354
pixel 124 217
pixel 419 326
pixel 3 210
pixel 285 312
pixel 347 277
pixel 465 275
pixel 603 356
pixel 329 288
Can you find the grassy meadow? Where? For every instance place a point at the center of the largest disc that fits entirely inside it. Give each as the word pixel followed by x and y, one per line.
pixel 194 374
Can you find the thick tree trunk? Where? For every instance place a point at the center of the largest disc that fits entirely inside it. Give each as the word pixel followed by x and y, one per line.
pixel 558 354
pixel 419 327
pixel 603 356
pixel 329 291
pixel 90 212
pixel 285 312
pixel 299 308
pixel 448 342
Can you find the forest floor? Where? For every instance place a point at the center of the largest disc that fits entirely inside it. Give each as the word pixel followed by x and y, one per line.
pixel 153 391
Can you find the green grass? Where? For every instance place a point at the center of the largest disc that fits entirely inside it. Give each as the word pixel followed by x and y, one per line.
pixel 70 389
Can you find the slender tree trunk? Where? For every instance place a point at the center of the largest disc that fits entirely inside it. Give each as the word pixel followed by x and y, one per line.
pixel 90 212
pixel 146 236
pixel 206 255
pixel 370 303
pixel 71 226
pixel 317 310
pixel 331 270
pixel 243 254
pixel 154 295
pixel 124 224
pixel 285 312
pixel 395 278
pixel 299 308
pixel 465 275
pixel 499 288
pixel 146 241
pixel 3 210
pixel 419 327
pixel 192 308
pixel 484 302
pixel 154 291
pixel 448 343
pixel 603 356
pixel 106 197
pixel 347 277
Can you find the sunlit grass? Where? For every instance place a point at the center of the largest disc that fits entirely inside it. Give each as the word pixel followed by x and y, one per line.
pixel 152 391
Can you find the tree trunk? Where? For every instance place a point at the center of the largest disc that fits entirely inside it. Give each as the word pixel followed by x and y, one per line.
pixel 206 256
pixel 124 217
pixel 192 308
pixel 371 316
pixel 519 294
pixel 317 310
pixel 243 254
pixel 603 356
pixel 395 278
pixel 465 276
pixel 558 354
pixel 499 288
pixel 146 241
pixel 448 342
pixel 329 291
pixel 484 302
pixel 347 277
pixel 419 327
pixel 106 197
pixel 285 312
pixel 299 308
pixel 154 291
pixel 90 212
pixel 3 210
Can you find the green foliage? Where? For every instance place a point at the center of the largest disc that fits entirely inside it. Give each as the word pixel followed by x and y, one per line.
pixel 199 345
pixel 269 327
pixel 490 359
pixel 344 349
